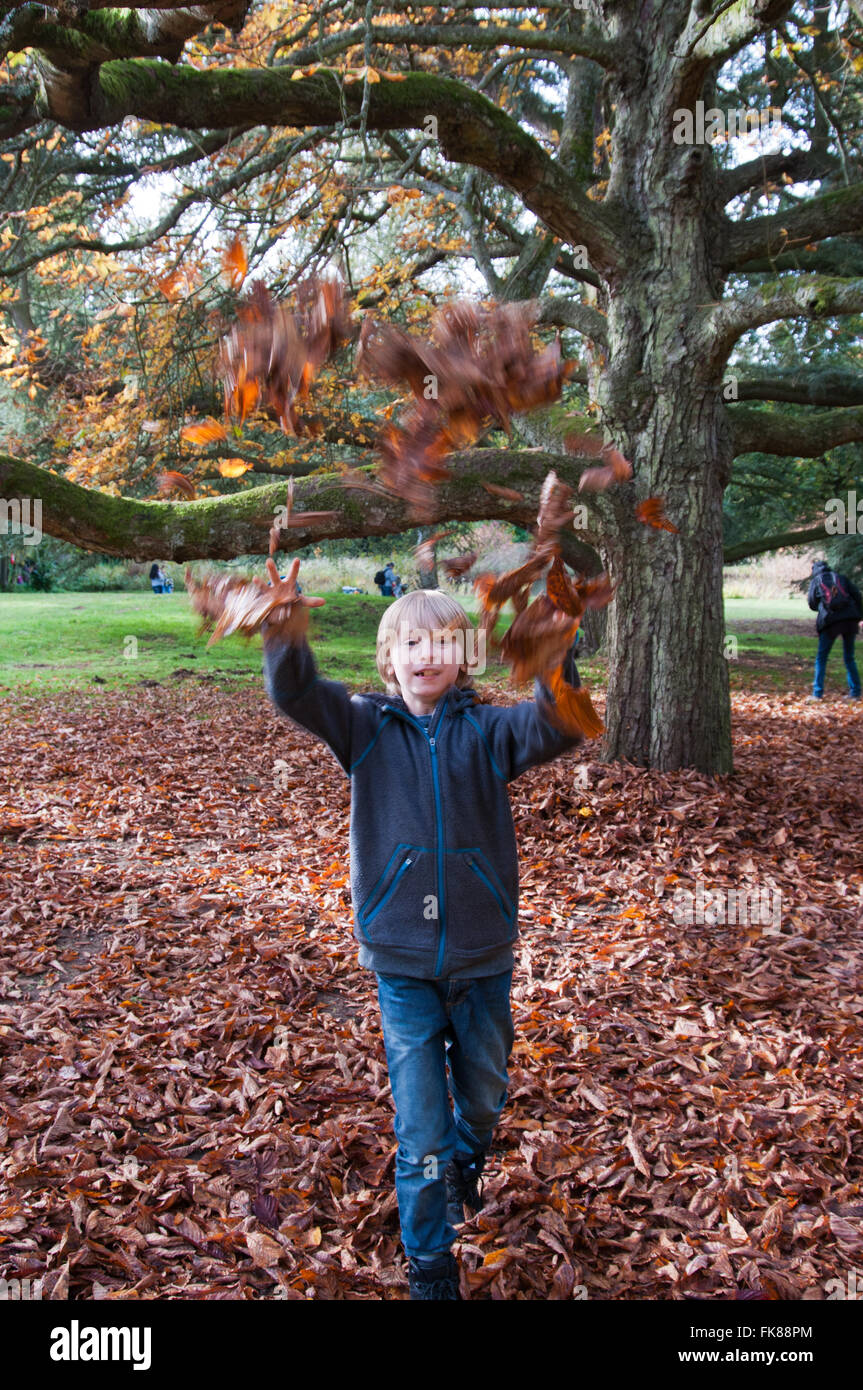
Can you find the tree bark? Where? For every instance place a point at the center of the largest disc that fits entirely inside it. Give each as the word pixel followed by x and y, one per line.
pixel 661 402
pixel 220 528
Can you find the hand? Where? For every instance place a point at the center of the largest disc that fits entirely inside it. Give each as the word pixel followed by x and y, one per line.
pixel 290 617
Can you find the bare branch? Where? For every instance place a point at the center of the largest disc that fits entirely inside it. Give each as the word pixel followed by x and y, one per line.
pixel 744 549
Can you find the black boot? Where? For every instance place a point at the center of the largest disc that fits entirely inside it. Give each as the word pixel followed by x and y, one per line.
pixel 463 1188
pixel 434 1281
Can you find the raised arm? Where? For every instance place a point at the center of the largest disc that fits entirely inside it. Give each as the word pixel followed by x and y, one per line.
pixel 291 678
pixel 523 735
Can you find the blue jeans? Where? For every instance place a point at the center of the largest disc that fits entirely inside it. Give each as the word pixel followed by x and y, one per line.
pixel 432 1027
pixel 825 642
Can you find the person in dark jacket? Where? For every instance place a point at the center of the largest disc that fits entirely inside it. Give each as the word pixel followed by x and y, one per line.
pixel 840 610
pixel 434 887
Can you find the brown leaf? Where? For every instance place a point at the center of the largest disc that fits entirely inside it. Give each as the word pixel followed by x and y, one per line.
pixel 264 1251
pixel 175 482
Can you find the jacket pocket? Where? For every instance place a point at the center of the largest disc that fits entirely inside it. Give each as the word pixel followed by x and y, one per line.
pixel 480 912
pixel 401 909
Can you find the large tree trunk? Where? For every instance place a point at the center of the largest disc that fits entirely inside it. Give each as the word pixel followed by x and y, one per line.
pixel 661 400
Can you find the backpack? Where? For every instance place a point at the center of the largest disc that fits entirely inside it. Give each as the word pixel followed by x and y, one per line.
pixel 380 578
pixel 835 597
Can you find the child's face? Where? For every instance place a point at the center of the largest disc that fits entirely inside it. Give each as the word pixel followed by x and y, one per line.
pixel 426 663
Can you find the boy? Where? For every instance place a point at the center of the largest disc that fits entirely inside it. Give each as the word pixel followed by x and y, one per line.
pixel 434 886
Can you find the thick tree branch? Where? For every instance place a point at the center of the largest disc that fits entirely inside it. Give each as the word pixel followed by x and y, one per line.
pixel 802 386
pixel 839 256
pixel 744 549
pixel 828 214
pixel 793 436
pixel 223 527
pixel 471 129
pixel 800 165
pixel 568 313
pixel 588 44
pixel 732 25
pixel 810 296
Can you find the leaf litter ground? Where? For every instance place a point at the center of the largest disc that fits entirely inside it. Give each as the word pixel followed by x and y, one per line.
pixel 192 1078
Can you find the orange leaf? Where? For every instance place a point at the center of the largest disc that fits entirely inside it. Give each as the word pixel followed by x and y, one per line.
pixel 652 512
pixel 204 433
pixel 573 709
pixel 235 262
pixel 233 468
pixel 170 285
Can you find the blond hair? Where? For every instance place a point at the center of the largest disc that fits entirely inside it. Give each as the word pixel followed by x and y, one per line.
pixel 427 609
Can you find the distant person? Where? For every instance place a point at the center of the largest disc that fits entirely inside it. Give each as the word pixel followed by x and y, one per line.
pixel 840 610
pixel 384 579
pixel 393 579
pixel 160 582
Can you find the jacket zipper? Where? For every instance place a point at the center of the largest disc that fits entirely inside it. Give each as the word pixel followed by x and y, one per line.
pixel 440 869
pixel 432 743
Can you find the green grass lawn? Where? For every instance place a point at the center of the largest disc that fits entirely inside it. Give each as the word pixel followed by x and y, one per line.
pixel 86 641
pixel 738 610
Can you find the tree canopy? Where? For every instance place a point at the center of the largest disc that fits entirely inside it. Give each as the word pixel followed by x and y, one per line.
pixel 709 293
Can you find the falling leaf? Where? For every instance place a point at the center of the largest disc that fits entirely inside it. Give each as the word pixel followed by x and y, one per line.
pixel 235 262
pixel 273 353
pixel 477 368
pixel 457 565
pixel 233 468
pixel 169 482
pixel 651 512
pixel 616 469
pixel 204 433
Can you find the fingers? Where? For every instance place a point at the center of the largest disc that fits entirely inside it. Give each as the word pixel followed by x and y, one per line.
pixel 312 602
pixel 272 571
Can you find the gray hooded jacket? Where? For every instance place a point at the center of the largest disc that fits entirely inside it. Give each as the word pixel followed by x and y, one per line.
pixel 433 860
